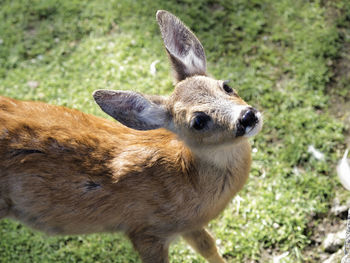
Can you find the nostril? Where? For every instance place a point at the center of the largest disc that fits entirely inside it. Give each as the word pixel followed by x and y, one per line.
pixel 249 118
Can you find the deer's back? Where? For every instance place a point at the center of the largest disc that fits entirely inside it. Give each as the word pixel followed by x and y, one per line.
pixel 64 171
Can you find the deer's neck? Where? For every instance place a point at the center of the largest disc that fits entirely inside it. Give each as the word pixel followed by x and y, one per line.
pixel 224 169
pixel 224 157
pixel 222 172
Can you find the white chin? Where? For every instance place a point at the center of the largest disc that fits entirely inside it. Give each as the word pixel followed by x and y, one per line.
pixel 253 130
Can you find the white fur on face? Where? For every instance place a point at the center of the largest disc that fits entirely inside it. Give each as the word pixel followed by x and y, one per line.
pixel 235 113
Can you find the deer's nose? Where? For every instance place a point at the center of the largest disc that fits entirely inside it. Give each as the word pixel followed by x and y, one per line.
pixel 249 118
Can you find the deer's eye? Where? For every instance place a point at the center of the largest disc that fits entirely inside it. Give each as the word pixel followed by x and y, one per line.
pixel 227 88
pixel 200 121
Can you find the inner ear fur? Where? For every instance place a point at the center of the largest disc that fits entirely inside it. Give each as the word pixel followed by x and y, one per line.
pixel 133 109
pixel 185 52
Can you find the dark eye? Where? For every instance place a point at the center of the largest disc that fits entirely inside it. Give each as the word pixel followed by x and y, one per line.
pixel 227 88
pixel 200 121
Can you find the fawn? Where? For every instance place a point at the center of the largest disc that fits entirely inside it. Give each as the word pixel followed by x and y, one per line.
pixel 170 166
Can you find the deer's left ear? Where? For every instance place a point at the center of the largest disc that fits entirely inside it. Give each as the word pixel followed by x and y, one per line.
pixel 185 51
pixel 133 109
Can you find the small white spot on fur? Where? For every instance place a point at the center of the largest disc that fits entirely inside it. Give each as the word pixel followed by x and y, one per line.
pixel 13 103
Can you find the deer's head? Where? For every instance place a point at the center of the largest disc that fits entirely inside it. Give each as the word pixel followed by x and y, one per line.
pixel 201 110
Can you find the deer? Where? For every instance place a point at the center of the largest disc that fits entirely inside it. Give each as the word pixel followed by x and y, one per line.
pixel 168 166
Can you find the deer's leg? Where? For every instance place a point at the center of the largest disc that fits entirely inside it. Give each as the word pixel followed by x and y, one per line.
pixel 150 248
pixel 204 244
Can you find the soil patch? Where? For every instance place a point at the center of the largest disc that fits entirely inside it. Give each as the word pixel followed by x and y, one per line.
pixel 339 107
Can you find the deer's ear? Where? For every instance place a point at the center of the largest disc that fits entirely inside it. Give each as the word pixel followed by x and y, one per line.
pixel 133 109
pixel 185 51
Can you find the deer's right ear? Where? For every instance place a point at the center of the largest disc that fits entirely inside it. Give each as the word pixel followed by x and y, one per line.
pixel 133 109
pixel 185 51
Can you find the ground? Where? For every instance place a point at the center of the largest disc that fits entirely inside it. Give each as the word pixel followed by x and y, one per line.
pixel 288 58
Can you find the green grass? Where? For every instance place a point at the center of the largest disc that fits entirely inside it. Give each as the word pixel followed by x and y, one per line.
pixel 278 55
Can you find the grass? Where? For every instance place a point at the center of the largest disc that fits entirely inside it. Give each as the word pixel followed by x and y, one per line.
pixel 278 55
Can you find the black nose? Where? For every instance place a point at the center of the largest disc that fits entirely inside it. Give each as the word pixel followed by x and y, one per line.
pixel 249 118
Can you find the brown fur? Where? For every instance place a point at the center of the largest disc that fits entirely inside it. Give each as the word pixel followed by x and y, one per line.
pixel 66 172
